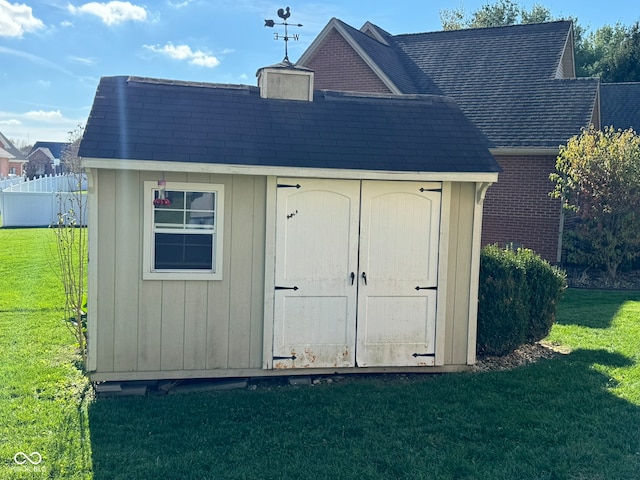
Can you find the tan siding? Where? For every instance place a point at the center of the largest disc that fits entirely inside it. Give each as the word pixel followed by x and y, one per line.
pixel 106 273
pixel 257 272
pixel 127 270
pixel 240 274
pixel 172 336
pixel 461 223
pixel 195 328
pixel 149 326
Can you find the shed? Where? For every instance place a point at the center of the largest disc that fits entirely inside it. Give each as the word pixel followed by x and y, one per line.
pixel 242 231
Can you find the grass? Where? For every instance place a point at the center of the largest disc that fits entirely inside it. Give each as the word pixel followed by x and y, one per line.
pixel 572 417
pixel 40 387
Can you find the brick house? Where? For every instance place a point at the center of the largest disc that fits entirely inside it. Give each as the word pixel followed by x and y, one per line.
pixel 517 84
pixel 11 159
pixel 45 158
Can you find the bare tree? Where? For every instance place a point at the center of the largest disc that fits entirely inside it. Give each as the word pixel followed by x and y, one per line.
pixel 71 241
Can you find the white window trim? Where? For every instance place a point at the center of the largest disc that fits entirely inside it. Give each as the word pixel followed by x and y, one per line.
pixel 148 245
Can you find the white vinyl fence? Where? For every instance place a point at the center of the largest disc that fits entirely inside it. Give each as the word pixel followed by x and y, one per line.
pixel 7 182
pixel 38 202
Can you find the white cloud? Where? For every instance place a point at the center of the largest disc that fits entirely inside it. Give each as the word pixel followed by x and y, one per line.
pixel 82 60
pixel 184 52
pixel 17 19
pixel 41 115
pixel 182 4
pixel 111 13
pixel 11 122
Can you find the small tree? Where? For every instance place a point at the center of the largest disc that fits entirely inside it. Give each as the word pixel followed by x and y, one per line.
pixel 598 177
pixel 71 242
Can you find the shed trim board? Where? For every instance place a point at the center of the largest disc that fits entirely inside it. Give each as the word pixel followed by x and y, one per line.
pixel 167 166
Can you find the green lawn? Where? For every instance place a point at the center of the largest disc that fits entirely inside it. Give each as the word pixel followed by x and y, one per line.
pixel 572 417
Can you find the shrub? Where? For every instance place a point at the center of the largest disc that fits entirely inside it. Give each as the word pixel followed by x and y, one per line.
pixel 545 284
pixel 501 304
pixel 518 295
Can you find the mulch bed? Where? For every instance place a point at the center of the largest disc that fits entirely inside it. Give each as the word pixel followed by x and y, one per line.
pixel 581 277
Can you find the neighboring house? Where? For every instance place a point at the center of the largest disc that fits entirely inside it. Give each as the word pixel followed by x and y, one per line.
pixel 11 159
pixel 240 231
pixel 516 84
pixel 620 104
pixel 46 158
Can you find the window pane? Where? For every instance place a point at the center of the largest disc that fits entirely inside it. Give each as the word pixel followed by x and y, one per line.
pixel 176 198
pixel 168 217
pixel 200 201
pixel 183 251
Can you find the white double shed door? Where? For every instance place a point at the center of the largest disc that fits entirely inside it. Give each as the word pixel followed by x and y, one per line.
pixel 356 272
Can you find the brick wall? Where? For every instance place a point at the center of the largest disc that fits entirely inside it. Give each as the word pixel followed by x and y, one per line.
pixel 518 208
pixel 338 67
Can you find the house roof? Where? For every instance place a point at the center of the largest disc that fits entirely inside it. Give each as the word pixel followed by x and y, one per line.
pixel 620 105
pixel 157 120
pixel 505 79
pixel 8 147
pixel 55 148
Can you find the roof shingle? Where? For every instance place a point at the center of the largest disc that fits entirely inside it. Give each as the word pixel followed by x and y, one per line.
pixel 147 119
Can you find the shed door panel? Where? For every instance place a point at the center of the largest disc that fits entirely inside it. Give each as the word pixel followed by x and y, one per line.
pixel 399 236
pixel 316 251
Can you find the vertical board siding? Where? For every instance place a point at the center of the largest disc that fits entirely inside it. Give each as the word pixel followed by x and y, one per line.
pixel 257 272
pixel 106 273
pixel 172 328
pixel 178 325
pixel 195 326
pixel 240 275
pixel 149 326
pixel 219 292
pixel 460 270
pixel 127 270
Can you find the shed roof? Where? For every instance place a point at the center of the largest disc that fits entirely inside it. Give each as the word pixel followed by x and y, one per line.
pixel 620 105
pixel 149 119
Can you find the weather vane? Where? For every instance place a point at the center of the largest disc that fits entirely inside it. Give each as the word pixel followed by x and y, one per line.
pixel 284 14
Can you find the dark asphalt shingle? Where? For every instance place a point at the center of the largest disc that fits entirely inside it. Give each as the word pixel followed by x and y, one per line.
pixel 147 119
pixel 503 78
pixel 620 105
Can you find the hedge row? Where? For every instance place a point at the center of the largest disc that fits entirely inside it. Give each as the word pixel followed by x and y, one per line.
pixel 518 295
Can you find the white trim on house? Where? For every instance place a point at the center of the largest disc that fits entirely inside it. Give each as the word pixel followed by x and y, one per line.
pixel 525 151
pixel 373 31
pixel 148 271
pixel 443 268
pixel 304 172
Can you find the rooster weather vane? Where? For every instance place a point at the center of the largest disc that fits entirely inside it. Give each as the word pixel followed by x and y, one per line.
pixel 284 13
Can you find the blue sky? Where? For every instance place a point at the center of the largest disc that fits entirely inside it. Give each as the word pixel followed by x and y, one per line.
pixel 53 52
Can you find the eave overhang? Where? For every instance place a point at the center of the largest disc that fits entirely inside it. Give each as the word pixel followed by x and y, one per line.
pixel 303 172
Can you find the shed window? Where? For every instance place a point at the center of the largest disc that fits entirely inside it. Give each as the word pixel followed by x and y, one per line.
pixel 183 238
